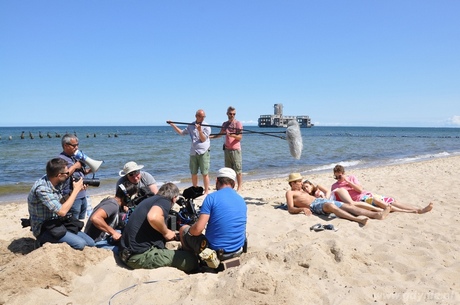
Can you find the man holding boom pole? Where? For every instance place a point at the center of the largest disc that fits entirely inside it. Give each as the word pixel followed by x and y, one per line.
pixel 233 131
pixel 200 157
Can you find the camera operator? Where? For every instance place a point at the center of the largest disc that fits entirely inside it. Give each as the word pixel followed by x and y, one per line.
pixel 142 244
pixel 104 223
pixel 77 170
pixel 224 215
pixel 46 210
pixel 132 173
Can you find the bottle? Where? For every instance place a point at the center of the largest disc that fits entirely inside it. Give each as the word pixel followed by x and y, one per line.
pixel 89 208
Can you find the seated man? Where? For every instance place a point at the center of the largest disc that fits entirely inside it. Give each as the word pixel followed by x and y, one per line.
pixel 132 173
pixel 142 244
pixel 351 184
pixel 224 215
pixel 46 211
pixel 299 201
pixel 103 224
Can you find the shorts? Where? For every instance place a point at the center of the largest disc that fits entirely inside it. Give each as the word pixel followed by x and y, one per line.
pixel 200 162
pixel 369 198
pixel 316 207
pixel 234 160
pixel 195 243
pixel 155 258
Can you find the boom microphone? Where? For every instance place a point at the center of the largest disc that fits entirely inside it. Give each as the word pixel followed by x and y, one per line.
pixel 294 137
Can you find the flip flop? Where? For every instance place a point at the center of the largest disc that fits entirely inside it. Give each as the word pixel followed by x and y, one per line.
pixel 317 227
pixel 329 227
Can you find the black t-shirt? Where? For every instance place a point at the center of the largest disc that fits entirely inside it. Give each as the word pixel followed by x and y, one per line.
pixel 139 235
pixel 111 207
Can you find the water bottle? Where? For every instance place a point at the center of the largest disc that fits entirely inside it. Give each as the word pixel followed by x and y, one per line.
pixel 89 208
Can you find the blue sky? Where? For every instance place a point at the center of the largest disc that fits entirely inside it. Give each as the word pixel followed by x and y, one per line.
pixel 343 63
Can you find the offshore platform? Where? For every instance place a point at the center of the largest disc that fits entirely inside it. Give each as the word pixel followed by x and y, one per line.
pixel 279 120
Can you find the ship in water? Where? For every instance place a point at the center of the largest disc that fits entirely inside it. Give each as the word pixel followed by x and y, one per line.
pixel 279 120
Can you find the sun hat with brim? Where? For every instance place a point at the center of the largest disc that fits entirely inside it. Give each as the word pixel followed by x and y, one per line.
pixel 130 167
pixel 226 172
pixel 294 177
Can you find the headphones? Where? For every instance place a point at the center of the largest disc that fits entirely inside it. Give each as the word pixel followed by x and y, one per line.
pixel 127 198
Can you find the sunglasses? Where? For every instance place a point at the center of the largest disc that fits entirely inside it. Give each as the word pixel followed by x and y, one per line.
pixel 73 145
pixel 135 173
pixel 232 114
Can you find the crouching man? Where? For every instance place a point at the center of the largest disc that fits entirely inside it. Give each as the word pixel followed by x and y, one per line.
pixel 142 244
pixel 224 215
pixel 104 224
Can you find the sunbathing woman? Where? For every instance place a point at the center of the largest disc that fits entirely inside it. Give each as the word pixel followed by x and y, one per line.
pixel 320 191
pixel 356 191
pixel 299 201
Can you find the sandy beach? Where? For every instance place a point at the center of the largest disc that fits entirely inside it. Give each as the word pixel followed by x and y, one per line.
pixel 404 259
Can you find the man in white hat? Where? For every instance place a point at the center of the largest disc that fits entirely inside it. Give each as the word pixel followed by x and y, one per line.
pixel 224 215
pixel 132 172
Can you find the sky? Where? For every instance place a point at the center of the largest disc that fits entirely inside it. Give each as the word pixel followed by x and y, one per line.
pixel 140 63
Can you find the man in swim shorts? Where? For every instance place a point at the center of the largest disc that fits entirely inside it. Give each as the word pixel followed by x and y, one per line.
pixel 299 201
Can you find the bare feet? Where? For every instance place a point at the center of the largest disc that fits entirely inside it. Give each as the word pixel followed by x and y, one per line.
pixel 426 209
pixel 362 220
pixel 382 215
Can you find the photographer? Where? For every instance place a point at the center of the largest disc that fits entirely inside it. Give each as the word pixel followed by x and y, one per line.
pixel 224 215
pixel 104 223
pixel 48 215
pixel 142 244
pixel 77 171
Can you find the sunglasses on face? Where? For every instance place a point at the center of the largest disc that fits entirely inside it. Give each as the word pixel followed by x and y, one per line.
pixel 73 145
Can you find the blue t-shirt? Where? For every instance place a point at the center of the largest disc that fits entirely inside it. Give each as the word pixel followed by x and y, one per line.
pixel 226 227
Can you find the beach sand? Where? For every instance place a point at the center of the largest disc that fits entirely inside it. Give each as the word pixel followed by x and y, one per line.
pixel 404 259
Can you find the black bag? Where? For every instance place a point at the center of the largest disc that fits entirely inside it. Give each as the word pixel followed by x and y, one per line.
pixel 55 228
pixel 58 227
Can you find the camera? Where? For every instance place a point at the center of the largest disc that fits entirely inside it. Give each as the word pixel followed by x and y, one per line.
pixel 88 181
pixel 187 214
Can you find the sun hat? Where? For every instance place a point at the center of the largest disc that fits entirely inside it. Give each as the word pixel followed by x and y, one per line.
pixel 226 172
pixel 129 167
pixel 294 177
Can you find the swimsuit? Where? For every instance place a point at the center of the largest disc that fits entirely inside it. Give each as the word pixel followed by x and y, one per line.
pixel 316 207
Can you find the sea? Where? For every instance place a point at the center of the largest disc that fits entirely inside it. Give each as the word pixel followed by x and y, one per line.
pixel 165 154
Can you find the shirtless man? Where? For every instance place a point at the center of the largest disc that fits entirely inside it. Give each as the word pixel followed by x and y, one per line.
pixel 299 201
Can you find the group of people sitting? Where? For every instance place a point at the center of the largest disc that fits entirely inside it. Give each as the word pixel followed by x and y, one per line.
pixel 219 232
pixel 140 240
pixel 346 199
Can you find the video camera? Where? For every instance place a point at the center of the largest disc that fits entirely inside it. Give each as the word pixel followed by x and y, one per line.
pixel 187 214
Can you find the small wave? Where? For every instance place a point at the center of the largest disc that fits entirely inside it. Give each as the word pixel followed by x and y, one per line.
pixel 420 158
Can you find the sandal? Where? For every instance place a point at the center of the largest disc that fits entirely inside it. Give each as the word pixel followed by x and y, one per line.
pixel 329 227
pixel 317 227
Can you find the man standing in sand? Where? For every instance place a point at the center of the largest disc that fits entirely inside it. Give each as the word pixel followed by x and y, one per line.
pixel 232 129
pixel 299 201
pixel 351 184
pixel 77 170
pixel 200 157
